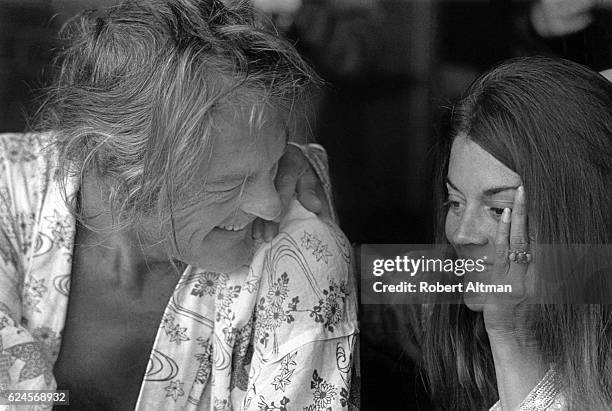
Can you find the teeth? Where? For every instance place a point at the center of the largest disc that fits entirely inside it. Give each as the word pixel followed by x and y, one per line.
pixel 232 227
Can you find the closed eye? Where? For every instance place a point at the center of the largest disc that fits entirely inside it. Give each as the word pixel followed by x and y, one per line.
pixel 222 194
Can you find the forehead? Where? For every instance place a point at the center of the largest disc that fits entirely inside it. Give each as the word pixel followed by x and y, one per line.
pixel 246 141
pixel 473 169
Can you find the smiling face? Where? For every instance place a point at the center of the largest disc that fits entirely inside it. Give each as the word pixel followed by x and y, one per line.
pixel 214 231
pixel 479 188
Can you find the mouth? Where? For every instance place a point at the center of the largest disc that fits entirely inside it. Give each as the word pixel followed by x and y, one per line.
pixel 233 226
pixel 484 259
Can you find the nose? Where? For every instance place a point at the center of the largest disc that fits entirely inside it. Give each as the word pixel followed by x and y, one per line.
pixel 469 231
pixel 262 200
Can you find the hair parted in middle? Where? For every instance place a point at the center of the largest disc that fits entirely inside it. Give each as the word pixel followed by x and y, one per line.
pixel 550 121
pixel 139 87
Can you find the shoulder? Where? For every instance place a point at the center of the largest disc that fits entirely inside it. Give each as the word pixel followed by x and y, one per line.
pixel 321 241
pixel 25 173
pixel 26 161
pixel 315 252
pixel 24 157
pixel 307 292
pixel 23 147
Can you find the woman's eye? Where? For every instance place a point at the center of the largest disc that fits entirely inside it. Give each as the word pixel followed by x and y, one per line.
pixel 454 206
pixel 221 194
pixel 496 211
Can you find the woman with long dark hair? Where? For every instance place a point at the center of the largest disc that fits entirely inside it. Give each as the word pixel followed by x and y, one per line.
pixel 528 164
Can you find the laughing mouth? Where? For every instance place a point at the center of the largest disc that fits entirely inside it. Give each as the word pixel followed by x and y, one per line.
pixel 233 227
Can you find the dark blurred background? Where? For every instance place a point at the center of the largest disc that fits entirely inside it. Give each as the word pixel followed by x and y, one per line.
pixel 394 68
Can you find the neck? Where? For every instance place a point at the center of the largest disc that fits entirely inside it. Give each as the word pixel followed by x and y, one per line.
pixel 518 369
pixel 128 250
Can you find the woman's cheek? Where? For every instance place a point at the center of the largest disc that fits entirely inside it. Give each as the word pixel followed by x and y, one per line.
pixel 489 226
pixel 451 224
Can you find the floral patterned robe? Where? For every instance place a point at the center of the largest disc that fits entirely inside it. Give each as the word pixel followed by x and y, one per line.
pixel 280 334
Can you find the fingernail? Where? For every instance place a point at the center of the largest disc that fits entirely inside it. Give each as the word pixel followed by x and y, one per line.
pixel 521 192
pixel 506 215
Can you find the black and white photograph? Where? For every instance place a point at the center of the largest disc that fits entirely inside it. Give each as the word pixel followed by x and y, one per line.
pixel 311 205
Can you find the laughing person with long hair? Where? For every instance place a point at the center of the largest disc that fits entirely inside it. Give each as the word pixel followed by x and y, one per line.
pixel 129 274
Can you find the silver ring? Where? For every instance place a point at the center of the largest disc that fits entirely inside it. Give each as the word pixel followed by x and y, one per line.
pixel 520 257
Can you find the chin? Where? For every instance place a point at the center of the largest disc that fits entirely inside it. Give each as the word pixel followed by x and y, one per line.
pixel 474 302
pixel 222 253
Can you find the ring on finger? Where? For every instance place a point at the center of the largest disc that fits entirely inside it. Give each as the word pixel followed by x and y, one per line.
pixel 520 257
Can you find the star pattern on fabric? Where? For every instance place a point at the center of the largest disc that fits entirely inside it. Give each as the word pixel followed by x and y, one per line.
pixel 34 291
pixel 167 321
pixel 60 229
pixel 174 330
pixel 283 378
pixel 322 253
pixel 175 389
pixel 177 334
pixel 307 240
pixel 319 249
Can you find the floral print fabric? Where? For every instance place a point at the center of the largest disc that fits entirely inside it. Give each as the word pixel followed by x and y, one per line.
pixel 279 334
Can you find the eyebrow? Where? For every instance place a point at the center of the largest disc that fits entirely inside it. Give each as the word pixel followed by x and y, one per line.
pixel 488 192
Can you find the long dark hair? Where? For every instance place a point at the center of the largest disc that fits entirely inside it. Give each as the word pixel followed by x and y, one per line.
pixel 550 121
